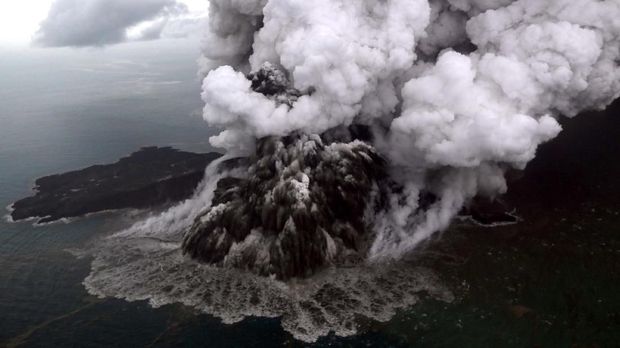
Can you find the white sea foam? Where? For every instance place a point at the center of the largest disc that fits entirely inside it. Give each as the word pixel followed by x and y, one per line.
pixel 155 270
pixel 145 262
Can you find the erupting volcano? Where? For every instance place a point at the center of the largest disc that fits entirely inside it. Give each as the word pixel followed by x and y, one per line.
pixel 353 131
pixel 367 126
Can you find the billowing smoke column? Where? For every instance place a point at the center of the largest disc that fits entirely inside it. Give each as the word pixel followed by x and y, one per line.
pixel 449 94
pixel 301 205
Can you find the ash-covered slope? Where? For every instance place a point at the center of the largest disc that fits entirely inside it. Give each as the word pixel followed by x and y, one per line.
pixel 146 178
pixel 301 206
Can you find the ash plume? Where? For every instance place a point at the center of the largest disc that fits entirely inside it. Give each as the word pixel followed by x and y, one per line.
pixel 453 92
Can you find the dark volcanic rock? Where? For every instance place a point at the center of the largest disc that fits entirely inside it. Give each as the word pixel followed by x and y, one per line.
pixel 149 177
pixel 301 206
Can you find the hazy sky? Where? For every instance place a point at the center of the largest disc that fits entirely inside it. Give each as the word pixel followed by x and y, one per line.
pixel 19 20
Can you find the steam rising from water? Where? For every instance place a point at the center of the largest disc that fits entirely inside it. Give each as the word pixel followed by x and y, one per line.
pixel 454 93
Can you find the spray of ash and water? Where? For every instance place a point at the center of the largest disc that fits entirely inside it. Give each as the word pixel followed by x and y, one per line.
pixel 354 131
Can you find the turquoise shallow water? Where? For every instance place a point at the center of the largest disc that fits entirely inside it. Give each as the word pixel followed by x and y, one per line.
pixel 551 281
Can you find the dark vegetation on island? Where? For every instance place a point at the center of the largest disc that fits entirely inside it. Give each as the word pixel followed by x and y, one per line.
pixel 149 177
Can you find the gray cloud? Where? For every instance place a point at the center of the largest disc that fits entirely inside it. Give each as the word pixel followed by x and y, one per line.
pixel 154 31
pixel 101 22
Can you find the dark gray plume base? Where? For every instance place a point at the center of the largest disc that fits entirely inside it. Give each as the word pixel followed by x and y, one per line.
pixel 301 207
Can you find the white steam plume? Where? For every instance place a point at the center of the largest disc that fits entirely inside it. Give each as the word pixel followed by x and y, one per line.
pixel 456 91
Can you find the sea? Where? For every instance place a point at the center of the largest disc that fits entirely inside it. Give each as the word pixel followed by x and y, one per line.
pixel 553 280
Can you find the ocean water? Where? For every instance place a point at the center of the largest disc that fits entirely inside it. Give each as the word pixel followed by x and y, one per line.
pixel 551 281
pixel 67 109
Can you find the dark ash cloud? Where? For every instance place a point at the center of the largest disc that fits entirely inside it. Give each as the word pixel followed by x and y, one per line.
pixel 79 23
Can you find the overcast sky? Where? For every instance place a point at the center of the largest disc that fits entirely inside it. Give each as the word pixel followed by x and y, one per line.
pixel 89 23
